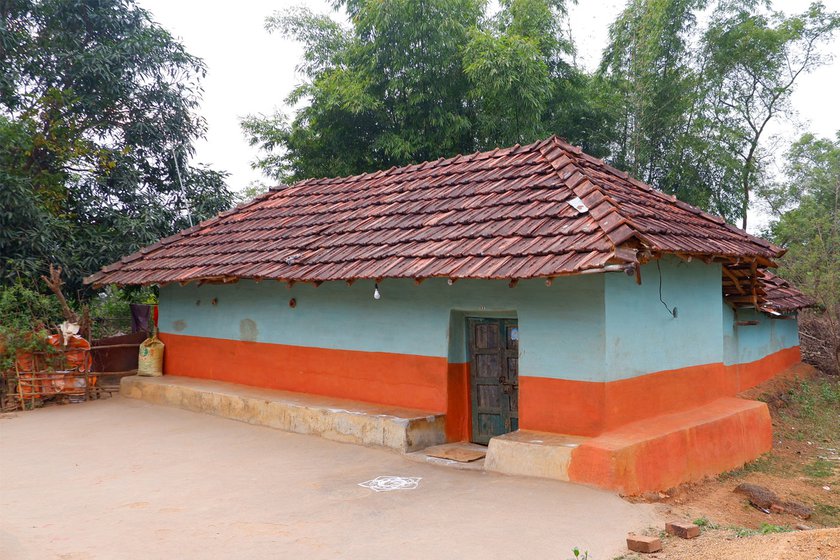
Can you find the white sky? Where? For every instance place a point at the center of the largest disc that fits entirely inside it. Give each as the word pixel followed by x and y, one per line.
pixel 251 71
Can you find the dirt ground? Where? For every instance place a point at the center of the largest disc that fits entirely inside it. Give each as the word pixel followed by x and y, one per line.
pixel 724 544
pixel 804 466
pixel 122 479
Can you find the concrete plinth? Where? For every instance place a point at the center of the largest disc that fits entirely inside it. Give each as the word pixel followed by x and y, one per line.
pixel 653 454
pixel 528 453
pixel 402 429
pixel 662 452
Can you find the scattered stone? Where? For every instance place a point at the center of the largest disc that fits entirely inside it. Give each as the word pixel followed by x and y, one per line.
pixel 759 496
pixel 641 543
pixel 801 527
pixel 767 501
pixel 683 530
pixel 797 509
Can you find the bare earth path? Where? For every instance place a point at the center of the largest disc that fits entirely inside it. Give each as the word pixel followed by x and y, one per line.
pixel 122 479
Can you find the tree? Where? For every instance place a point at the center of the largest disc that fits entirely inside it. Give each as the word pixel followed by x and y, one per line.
pixel 388 91
pixel 691 105
pixel 511 88
pixel 414 81
pixel 648 63
pixel 807 209
pixel 97 120
pixel 514 67
pixel 754 61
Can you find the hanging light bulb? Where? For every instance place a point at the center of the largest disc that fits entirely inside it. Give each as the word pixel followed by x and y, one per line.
pixel 376 294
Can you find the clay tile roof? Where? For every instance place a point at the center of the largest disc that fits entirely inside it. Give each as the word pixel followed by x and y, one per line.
pixel 780 296
pixel 541 210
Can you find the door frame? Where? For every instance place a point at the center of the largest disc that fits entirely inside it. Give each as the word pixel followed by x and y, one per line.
pixel 511 419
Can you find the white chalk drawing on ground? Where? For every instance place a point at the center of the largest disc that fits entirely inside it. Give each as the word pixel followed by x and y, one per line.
pixel 389 483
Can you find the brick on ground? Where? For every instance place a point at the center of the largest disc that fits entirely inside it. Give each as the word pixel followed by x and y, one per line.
pixel 641 543
pixel 683 530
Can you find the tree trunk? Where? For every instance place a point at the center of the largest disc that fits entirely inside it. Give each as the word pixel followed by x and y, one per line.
pixel 54 283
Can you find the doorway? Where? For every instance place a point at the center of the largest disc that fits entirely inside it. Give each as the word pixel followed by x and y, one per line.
pixel 493 346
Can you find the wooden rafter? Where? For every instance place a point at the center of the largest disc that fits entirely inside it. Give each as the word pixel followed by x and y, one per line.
pixel 734 279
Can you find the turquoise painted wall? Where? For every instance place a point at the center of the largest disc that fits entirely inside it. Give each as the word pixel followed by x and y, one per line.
pixel 561 326
pixel 596 327
pixel 730 335
pixel 643 337
pixel 748 343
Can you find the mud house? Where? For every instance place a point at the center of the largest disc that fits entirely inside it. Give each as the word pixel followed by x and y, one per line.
pixel 584 325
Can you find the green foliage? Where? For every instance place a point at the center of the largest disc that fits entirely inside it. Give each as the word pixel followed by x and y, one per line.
pixel 765 529
pixel 817 407
pixel 250 192
pixel 648 65
pixel 768 528
pixel 819 468
pixel 388 91
pixel 110 311
pixel 753 61
pixel 807 224
pixel 413 81
pixel 512 87
pixel 805 397
pixel 578 554
pixel 97 118
pixel 23 308
pixel 681 105
pixel 693 104
pixel 828 514
pixel 830 393
pixel 25 317
pixel 521 81
pixel 807 208
pixel 705 523
pixel 743 532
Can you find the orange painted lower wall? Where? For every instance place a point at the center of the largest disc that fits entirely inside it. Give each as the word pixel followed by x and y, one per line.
pixel 394 379
pixel 590 408
pixel 433 384
pixel 662 452
pixel 561 405
pixel 753 373
pixel 420 382
pixel 458 417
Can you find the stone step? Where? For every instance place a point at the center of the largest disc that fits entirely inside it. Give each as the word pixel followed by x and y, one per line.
pixel 529 453
pixel 402 429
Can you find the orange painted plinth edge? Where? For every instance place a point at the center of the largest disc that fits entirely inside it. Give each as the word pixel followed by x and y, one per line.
pixel 589 408
pixel 405 380
pixel 662 452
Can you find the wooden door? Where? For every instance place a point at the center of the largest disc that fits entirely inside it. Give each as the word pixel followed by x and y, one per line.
pixel 494 377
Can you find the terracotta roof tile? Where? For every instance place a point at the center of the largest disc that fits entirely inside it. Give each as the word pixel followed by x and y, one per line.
pixel 506 213
pixel 780 296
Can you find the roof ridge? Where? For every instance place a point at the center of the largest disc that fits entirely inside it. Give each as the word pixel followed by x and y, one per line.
pixel 600 206
pixel 440 161
pixel 682 204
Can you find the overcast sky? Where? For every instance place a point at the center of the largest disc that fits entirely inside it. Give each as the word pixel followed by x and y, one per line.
pixel 250 71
